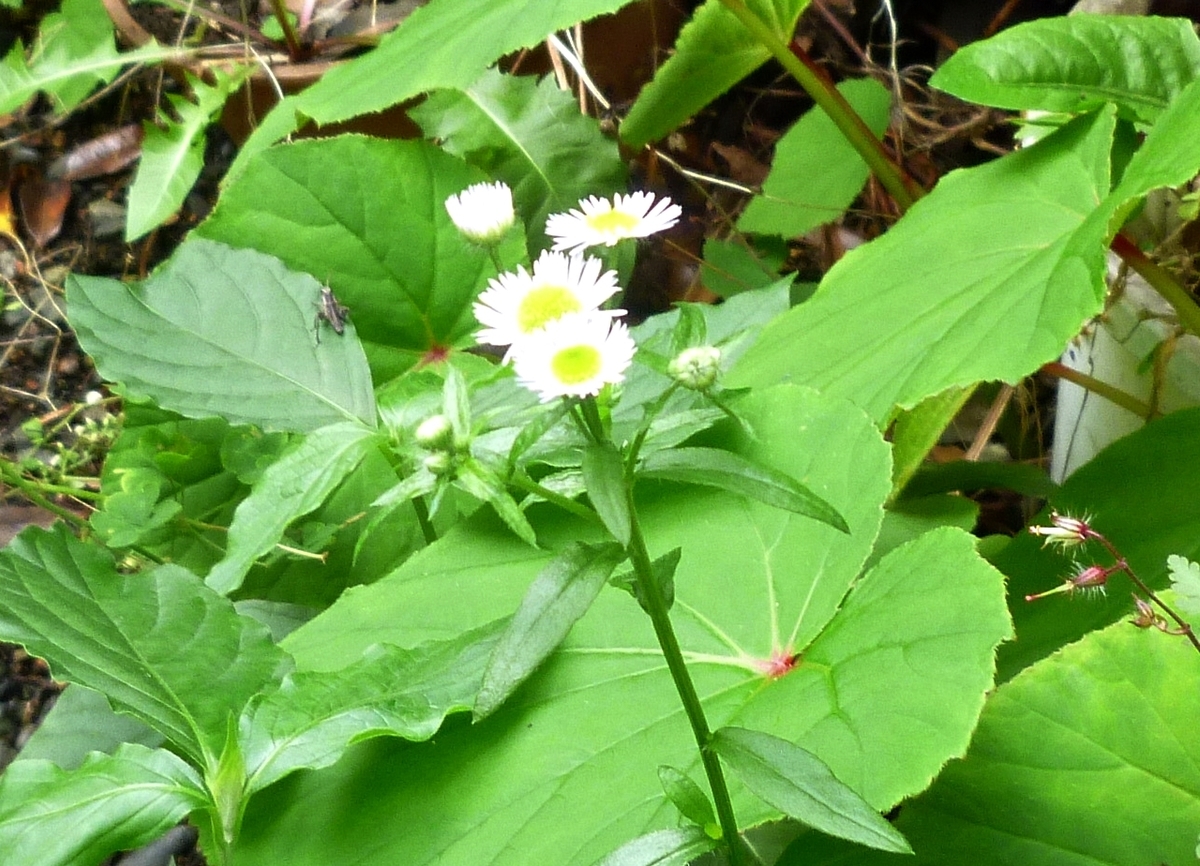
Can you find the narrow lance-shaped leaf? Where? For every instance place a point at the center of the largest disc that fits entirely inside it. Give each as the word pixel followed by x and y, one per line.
pixel 801 785
pixel 292 486
pixel 733 472
pixel 560 594
pixel 482 483
pixel 54 817
pixel 315 716
pixel 662 848
pixel 690 799
pixel 160 645
pixel 604 474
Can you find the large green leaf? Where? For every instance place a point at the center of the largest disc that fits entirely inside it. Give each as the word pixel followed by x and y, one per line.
pixel 223 332
pixel 529 135
pixel 714 52
pixel 1088 757
pixel 160 645
pixel 987 277
pixel 446 44
pixel 368 217
pixel 295 484
pixel 816 172
pixel 884 685
pixel 83 722
pixel 54 817
pixel 73 54
pixel 1077 63
pixel 313 717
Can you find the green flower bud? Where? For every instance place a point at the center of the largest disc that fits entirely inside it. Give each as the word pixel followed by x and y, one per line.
pixel 439 463
pixel 696 368
pixel 436 433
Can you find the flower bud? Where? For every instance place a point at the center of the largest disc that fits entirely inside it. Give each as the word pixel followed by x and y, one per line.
pixel 436 433
pixel 696 368
pixel 439 463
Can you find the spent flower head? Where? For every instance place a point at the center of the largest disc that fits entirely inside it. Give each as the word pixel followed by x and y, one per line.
pixel 601 221
pixel 518 304
pixel 482 212
pixel 575 356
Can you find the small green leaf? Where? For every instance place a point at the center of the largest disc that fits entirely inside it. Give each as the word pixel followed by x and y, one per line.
pixel 456 403
pixel 714 51
pixel 816 173
pixel 295 484
pixel 664 579
pixel 677 847
pixel 604 474
pixel 160 645
pixel 1185 580
pixel 224 332
pixel 688 797
pixel 74 53
pixel 1076 63
pixel 54 817
pixel 801 785
pixel 482 483
pixel 733 472
pixel 562 593
pixel 315 716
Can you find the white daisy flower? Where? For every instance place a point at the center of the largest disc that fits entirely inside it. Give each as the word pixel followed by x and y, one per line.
pixel 575 356
pixel 483 212
pixel 515 304
pixel 600 221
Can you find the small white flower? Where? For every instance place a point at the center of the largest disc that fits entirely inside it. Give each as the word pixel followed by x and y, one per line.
pixel 600 221
pixel 575 356
pixel 514 305
pixel 483 212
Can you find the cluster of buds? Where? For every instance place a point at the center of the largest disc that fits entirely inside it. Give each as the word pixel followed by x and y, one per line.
pixel 446 448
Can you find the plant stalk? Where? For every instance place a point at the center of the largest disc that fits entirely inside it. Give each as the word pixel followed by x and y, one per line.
pixel 817 85
pixel 1162 281
pixel 1090 383
pixel 643 569
pixel 295 51
pixel 32 491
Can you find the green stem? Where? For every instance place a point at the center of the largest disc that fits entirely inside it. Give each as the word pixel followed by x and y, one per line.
pixel 1090 383
pixel 295 51
pixel 530 486
pixel 33 492
pixel 644 570
pixel 636 448
pixel 422 509
pixel 817 85
pixel 1163 282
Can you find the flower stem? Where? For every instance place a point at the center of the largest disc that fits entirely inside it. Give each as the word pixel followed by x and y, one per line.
pixel 654 605
pixel 530 486
pixel 817 85
pixel 32 491
pixel 1090 383
pixel 1185 627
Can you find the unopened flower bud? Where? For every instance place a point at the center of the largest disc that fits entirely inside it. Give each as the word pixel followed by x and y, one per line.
pixel 436 433
pixel 439 463
pixel 1146 617
pixel 696 368
pixel 482 212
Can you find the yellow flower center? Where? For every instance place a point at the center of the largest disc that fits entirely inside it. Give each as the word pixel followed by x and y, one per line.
pixel 544 305
pixel 613 222
pixel 576 364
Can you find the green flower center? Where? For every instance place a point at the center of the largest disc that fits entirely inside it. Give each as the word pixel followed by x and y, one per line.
pixel 544 305
pixel 576 364
pixel 613 222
